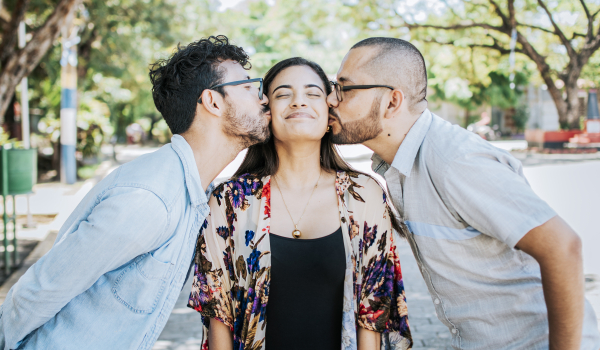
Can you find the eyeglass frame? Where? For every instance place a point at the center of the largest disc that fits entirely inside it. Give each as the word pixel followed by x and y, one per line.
pixel 339 93
pixel 238 82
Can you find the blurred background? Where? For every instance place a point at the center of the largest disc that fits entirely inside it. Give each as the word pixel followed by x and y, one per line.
pixel 75 100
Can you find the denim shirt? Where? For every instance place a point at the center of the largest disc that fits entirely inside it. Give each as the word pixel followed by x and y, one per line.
pixel 119 262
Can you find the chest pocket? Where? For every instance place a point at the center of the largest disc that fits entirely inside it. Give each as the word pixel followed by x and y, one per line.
pixel 141 284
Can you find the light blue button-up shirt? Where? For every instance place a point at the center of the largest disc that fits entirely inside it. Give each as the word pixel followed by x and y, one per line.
pixel 467 204
pixel 119 262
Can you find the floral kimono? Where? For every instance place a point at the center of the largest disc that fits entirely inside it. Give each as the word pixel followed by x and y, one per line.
pixel 233 263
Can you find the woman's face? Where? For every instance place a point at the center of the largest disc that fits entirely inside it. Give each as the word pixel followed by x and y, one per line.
pixel 298 105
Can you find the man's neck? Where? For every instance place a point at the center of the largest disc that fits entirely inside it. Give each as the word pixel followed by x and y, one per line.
pixel 213 151
pixel 386 144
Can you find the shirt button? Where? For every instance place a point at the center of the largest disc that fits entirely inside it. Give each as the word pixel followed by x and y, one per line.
pixel 454 330
pixel 436 301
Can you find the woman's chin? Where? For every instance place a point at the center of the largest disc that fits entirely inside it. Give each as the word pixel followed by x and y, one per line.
pixel 301 137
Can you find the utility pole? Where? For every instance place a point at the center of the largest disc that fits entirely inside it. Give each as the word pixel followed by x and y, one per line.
pixel 25 129
pixel 68 103
pixel 24 95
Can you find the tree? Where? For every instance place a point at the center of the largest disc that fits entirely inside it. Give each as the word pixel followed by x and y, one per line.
pixel 118 41
pixel 558 51
pixel 18 63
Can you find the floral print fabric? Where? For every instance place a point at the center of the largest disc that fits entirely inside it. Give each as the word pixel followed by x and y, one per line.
pixel 233 263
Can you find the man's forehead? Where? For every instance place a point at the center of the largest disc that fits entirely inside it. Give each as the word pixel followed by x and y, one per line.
pixel 354 64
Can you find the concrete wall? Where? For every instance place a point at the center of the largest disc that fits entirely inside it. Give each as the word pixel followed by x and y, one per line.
pixel 542 111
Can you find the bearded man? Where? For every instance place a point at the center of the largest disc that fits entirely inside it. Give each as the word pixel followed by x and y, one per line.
pixel 119 262
pixel 503 270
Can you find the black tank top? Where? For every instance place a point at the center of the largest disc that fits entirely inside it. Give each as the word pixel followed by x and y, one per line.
pixel 306 294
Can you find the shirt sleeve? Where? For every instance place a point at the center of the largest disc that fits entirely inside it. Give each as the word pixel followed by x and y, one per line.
pixel 126 223
pixel 490 193
pixel 210 294
pixel 382 304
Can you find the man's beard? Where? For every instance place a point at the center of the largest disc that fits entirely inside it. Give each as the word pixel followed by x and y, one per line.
pixel 361 130
pixel 249 129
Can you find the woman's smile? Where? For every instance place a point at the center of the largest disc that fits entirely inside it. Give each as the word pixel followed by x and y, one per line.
pixel 299 115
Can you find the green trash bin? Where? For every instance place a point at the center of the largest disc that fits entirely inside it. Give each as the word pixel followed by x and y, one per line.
pixel 21 170
pixel 18 174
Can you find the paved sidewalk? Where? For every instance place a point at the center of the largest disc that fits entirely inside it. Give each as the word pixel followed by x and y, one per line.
pixel 427 331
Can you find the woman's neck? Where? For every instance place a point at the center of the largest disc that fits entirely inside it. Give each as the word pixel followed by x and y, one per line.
pixel 299 163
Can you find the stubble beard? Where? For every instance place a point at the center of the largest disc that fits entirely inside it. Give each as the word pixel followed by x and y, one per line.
pixel 249 129
pixel 359 131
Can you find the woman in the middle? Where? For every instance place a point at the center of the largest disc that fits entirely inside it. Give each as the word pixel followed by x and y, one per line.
pixel 298 250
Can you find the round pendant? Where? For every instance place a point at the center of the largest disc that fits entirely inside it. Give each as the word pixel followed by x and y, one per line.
pixel 296 233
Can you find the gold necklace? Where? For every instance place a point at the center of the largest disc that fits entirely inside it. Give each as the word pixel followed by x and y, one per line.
pixel 297 233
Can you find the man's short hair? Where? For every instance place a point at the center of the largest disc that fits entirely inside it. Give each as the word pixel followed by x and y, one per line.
pixel 400 64
pixel 178 82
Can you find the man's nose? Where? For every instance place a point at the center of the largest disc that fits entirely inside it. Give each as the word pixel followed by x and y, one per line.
pixel 332 100
pixel 265 100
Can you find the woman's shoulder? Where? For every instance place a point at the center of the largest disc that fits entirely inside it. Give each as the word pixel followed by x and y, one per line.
pixel 359 183
pixel 240 190
pixel 237 182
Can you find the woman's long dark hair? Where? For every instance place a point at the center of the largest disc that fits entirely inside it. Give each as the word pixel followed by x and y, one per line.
pixel 262 159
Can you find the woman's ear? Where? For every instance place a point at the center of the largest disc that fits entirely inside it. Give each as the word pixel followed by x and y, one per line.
pixel 395 103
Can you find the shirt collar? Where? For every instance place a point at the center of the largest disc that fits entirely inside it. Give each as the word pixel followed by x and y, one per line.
pixel 192 177
pixel 407 152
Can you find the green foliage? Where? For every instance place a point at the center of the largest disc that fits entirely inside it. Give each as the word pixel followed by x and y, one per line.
pixel 521 117
pixel 5 138
pixel 468 95
pixel 120 38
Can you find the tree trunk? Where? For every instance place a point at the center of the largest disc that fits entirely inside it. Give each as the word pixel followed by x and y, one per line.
pixel 22 62
pixel 571 118
pixel 84 51
pixel 559 102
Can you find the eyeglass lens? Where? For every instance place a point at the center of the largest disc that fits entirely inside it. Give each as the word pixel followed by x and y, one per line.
pixel 258 86
pixel 339 93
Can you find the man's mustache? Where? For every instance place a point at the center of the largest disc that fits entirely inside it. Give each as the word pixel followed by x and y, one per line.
pixel 333 114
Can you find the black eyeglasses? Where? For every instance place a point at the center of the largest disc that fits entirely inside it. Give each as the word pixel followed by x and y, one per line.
pixel 240 82
pixel 339 89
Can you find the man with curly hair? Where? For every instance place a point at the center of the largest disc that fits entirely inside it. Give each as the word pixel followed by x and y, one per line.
pixel 120 260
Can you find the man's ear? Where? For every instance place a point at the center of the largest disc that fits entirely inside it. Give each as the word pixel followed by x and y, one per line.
pixel 395 104
pixel 213 102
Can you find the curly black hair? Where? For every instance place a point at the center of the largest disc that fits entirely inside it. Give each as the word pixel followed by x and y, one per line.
pixel 178 81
